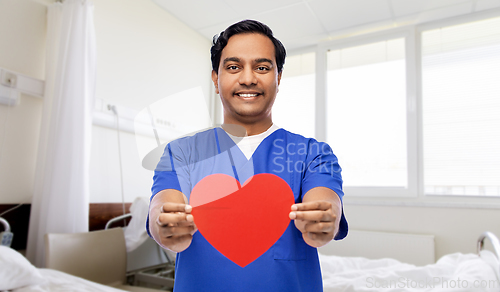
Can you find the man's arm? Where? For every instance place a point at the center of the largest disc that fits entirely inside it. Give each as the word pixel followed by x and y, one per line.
pixel 170 221
pixel 318 216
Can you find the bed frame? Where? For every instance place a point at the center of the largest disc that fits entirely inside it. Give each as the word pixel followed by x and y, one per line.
pixel 99 214
pixel 493 240
pixel 414 249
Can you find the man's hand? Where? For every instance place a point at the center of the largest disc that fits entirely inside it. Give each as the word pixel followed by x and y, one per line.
pixel 170 221
pixel 318 216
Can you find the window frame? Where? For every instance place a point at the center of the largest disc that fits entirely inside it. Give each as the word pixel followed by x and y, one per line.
pixel 407 33
pixel 414 194
pixel 301 51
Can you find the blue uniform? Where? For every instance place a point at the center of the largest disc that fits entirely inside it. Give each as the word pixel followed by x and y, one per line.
pixel 290 264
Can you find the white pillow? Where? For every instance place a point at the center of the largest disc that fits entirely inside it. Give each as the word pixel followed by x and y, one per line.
pixel 135 232
pixel 16 271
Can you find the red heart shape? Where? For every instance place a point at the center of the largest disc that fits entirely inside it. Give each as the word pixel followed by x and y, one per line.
pixel 241 222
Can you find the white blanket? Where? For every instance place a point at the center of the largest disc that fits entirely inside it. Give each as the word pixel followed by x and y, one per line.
pixel 56 281
pixel 454 272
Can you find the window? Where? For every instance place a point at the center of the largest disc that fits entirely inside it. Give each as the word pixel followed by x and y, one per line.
pixel 461 109
pixel 294 108
pixel 366 112
pixel 413 112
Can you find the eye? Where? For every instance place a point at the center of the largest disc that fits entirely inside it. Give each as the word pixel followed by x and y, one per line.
pixel 262 68
pixel 232 67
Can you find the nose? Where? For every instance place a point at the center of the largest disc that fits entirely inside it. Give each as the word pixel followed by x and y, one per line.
pixel 247 77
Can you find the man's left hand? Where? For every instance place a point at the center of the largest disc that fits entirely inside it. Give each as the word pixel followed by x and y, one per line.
pixel 318 216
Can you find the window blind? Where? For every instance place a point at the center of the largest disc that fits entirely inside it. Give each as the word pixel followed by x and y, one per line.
pixel 366 91
pixel 461 109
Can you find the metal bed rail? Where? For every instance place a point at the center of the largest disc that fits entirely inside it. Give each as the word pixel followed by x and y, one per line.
pixel 6 236
pixel 5 224
pixel 156 277
pixel 116 219
pixel 494 241
pixel 160 277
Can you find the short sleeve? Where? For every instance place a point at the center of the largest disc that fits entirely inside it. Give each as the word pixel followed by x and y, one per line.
pixel 165 176
pixel 323 170
pixel 170 173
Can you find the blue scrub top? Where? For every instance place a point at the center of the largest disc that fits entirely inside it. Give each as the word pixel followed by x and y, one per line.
pixel 290 264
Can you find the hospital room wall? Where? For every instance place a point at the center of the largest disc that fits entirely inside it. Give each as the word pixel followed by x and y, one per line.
pixel 143 55
pixel 22 49
pixel 135 44
pixel 455 229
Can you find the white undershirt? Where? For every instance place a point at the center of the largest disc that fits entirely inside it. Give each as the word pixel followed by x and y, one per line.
pixel 248 144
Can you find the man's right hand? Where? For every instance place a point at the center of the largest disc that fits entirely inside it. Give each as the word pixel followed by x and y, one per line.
pixel 170 221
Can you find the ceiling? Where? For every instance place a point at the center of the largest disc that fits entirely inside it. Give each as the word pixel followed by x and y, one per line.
pixel 301 23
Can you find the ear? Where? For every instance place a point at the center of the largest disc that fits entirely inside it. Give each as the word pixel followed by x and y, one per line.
pixel 215 80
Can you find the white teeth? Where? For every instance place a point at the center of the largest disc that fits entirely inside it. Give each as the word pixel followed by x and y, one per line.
pixel 247 95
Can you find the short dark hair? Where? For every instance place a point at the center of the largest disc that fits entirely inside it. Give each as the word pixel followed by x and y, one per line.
pixel 246 26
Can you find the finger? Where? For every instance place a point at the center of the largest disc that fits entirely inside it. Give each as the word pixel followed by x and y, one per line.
pixel 189 222
pixel 167 218
pixel 319 227
pixel 175 207
pixel 184 223
pixel 167 231
pixel 320 236
pixel 318 216
pixel 315 205
pixel 173 240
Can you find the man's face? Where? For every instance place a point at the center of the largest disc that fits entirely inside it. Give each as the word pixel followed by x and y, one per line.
pixel 248 78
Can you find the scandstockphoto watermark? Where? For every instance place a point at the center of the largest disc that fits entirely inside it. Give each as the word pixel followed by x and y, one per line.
pixel 431 283
pixel 286 157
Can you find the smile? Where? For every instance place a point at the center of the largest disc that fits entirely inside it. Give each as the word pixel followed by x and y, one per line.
pixel 247 95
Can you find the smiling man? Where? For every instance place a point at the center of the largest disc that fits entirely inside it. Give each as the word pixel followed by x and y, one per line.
pixel 247 62
pixel 247 80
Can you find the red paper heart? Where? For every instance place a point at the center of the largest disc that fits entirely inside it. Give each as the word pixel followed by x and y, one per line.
pixel 243 222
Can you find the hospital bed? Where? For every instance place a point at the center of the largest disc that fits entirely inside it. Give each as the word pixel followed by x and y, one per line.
pixel 19 275
pixel 101 256
pixel 148 264
pixel 89 261
pixel 372 259
pixel 364 261
pixel 452 272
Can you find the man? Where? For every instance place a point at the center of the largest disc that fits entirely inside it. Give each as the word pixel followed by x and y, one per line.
pixel 247 63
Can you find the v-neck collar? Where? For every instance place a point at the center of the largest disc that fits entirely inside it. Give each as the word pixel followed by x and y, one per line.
pixel 239 152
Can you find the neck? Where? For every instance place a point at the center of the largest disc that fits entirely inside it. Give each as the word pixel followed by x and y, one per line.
pixel 237 128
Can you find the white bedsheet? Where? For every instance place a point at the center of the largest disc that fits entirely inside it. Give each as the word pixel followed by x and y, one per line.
pixel 454 272
pixel 61 282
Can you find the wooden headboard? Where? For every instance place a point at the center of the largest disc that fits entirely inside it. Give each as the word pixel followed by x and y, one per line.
pixel 19 221
pixel 99 215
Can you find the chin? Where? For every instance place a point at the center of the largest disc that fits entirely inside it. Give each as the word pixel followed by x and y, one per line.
pixel 251 115
pixel 249 111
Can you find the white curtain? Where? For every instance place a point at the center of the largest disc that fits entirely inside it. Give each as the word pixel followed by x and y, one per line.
pixel 61 194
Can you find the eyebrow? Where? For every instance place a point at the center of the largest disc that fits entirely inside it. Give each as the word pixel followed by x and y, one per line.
pixel 263 60
pixel 236 59
pixel 231 59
